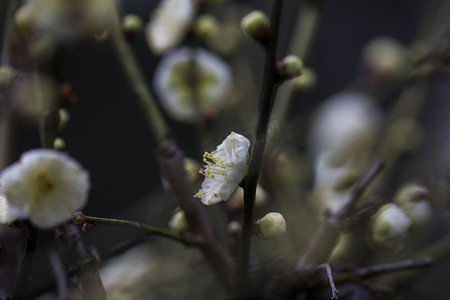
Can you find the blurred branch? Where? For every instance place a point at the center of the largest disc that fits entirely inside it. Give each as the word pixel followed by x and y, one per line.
pixel 267 98
pixel 334 290
pixel 145 228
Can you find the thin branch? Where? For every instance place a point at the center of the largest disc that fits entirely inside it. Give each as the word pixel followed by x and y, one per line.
pixel 145 228
pixel 267 97
pixel 329 231
pixel 60 274
pixel 334 290
pixel 393 267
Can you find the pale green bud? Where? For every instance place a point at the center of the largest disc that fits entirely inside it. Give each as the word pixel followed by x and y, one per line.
pixel 413 199
pixel 389 228
pixel 206 26
pixel 132 24
pixel 256 24
pixel 178 222
pixel 271 227
pixel 59 144
pixel 290 66
pixel 234 227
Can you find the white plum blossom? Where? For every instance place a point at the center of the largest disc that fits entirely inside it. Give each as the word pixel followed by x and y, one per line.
pixel 224 169
pixel 45 187
pixel 190 81
pixel 169 23
pixel 5 216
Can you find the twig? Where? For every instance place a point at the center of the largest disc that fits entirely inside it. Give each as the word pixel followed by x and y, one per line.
pixel 267 97
pixel 334 290
pixel 393 267
pixel 329 231
pixel 60 274
pixel 27 261
pixel 145 228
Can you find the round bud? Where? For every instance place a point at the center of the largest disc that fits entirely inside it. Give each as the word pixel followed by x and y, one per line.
pixel 23 18
pixel 290 66
pixel 413 199
pixel 206 26
pixel 6 76
pixel 78 218
pixel 256 24
pixel 59 144
pixel 389 228
pixel 132 24
pixel 271 227
pixel 234 227
pixel 178 222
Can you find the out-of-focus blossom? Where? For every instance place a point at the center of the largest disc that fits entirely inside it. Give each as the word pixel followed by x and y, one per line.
pixel 389 228
pixel 224 169
pixel 191 81
pixel 342 139
pixel 178 222
pixel 5 216
pixel 64 20
pixel 236 202
pixel 169 23
pixel 45 186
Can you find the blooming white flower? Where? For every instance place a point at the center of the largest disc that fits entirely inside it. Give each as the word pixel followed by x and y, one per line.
pixel 45 186
pixel 390 227
pixel 224 169
pixel 169 23
pixel 183 97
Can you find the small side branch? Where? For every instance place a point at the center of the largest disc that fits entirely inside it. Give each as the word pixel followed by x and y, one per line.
pixel 334 290
pixel 145 228
pixel 393 267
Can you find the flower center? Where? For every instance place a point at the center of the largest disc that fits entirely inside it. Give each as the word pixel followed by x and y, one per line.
pixel 43 183
pixel 215 165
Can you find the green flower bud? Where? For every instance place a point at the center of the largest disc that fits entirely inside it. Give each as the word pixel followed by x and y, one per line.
pixel 132 24
pixel 389 228
pixel 256 24
pixel 413 199
pixel 59 144
pixel 272 227
pixel 291 66
pixel 178 222
pixel 78 218
pixel 206 26
pixel 234 227
pixel 63 118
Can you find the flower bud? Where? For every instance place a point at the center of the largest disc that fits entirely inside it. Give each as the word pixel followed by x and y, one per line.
pixel 132 24
pixel 413 199
pixel 256 24
pixel 290 66
pixel 59 144
pixel 271 227
pixel 206 26
pixel 234 227
pixel 88 226
pixel 78 218
pixel 389 228
pixel 178 222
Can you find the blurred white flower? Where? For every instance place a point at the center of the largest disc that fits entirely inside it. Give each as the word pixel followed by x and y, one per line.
pixel 45 186
pixel 414 200
pixel 64 20
pixel 190 81
pixel 390 227
pixel 224 169
pixel 5 216
pixel 169 23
